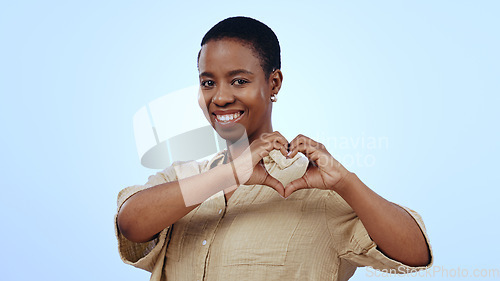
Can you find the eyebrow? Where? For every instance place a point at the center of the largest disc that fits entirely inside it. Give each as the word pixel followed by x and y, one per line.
pixel 230 73
pixel 207 74
pixel 239 71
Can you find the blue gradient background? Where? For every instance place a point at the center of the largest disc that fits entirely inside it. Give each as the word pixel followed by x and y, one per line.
pixel 422 75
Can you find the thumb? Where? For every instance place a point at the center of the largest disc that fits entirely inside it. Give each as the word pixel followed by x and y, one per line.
pixel 275 184
pixel 295 185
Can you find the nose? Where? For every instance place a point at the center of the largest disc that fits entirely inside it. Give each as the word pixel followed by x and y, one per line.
pixel 223 96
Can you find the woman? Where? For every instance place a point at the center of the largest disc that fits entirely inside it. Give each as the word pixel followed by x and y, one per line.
pixel 260 210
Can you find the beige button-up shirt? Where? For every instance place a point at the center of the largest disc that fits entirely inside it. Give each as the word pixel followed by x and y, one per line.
pixel 257 235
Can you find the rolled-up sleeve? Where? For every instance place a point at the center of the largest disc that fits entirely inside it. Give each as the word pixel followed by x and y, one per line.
pixel 356 246
pixel 143 255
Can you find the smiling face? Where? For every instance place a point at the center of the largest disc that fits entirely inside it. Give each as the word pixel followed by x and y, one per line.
pixel 234 92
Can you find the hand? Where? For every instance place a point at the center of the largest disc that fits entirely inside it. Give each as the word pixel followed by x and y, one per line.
pixel 323 171
pixel 249 166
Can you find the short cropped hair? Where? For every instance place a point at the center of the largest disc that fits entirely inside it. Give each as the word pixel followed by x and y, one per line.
pixel 249 31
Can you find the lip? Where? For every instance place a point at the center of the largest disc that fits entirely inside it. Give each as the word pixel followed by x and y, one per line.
pixel 225 112
pixel 222 112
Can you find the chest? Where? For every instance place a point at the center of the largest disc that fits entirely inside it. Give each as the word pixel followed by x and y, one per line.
pixel 252 228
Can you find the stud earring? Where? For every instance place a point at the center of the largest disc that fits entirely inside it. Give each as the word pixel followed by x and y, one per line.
pixel 274 98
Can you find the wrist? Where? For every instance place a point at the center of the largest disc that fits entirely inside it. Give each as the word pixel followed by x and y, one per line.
pixel 344 183
pixel 196 189
pixel 229 178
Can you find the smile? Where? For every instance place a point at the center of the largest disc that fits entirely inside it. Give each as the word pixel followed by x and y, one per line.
pixel 227 117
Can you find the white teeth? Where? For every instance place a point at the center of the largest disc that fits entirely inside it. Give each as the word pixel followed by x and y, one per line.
pixel 228 117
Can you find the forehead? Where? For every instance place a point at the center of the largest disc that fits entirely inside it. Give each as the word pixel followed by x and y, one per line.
pixel 226 55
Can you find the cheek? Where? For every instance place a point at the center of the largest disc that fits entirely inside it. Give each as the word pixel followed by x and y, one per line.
pixel 258 95
pixel 265 91
pixel 203 104
pixel 264 97
pixel 258 102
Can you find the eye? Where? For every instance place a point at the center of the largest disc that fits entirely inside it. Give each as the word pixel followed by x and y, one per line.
pixel 207 83
pixel 239 82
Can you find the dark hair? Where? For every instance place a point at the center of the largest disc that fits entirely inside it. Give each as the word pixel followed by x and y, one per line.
pixel 252 32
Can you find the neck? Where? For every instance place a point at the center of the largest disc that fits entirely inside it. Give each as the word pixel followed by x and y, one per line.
pixel 236 148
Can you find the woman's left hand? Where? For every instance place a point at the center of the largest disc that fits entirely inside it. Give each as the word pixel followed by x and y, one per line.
pixel 323 171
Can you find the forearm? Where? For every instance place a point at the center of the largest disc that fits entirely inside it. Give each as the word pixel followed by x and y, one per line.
pixel 149 211
pixel 394 231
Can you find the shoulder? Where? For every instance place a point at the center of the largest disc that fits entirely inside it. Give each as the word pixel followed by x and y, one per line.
pixel 184 169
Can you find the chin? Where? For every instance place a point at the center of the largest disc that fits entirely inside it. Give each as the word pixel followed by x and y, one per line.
pixel 232 134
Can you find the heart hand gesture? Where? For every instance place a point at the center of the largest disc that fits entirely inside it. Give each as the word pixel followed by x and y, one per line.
pixel 249 167
pixel 323 171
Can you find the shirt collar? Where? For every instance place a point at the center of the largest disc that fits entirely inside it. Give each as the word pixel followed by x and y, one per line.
pixel 217 159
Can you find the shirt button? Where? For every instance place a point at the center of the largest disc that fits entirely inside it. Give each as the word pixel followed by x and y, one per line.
pixel 220 211
pixel 204 242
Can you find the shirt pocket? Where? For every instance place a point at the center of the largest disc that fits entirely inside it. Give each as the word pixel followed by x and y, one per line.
pixel 261 234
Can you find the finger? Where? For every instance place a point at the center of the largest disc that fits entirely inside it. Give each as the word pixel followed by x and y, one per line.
pixel 295 185
pixel 276 141
pixel 263 152
pixel 277 133
pixel 301 140
pixel 283 149
pixel 280 143
pixel 262 177
pixel 318 158
pixel 270 180
pixel 311 152
pixel 275 184
pixel 268 137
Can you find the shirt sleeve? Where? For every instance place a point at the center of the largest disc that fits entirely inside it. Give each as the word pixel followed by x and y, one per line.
pixel 143 255
pixel 354 243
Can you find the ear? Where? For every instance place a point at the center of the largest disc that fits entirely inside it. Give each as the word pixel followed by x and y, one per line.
pixel 276 79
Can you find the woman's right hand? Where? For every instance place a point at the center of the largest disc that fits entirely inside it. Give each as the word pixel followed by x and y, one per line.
pixel 249 167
